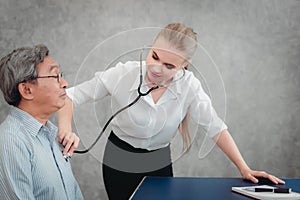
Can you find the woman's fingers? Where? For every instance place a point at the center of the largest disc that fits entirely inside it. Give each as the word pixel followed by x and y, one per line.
pixel 253 175
pixel 69 140
pixel 74 146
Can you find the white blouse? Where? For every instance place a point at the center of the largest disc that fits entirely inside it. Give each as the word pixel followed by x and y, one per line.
pixel 145 124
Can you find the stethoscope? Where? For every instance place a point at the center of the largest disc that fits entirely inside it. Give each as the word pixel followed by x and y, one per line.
pixel 140 94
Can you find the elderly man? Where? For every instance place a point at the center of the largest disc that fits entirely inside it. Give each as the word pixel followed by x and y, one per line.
pixel 32 165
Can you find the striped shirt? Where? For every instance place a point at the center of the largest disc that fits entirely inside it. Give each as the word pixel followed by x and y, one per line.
pixel 31 162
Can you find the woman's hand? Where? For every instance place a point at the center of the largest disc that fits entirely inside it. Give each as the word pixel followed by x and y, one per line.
pixel 69 140
pixel 252 175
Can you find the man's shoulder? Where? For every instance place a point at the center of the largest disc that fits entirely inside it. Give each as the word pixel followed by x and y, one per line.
pixel 11 128
pixel 10 123
pixel 12 134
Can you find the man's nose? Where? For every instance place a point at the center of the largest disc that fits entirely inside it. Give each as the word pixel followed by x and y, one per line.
pixel 63 83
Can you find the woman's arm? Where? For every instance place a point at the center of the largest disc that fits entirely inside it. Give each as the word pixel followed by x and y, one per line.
pixel 65 135
pixel 228 146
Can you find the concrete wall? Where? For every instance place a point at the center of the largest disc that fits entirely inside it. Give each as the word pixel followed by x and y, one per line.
pixel 252 74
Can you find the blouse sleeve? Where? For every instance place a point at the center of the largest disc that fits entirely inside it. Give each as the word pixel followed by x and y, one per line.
pixel 98 87
pixel 202 111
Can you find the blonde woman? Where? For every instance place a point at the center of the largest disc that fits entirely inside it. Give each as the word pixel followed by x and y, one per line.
pixel 139 142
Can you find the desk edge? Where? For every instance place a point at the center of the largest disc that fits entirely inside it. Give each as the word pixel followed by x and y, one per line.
pixel 137 187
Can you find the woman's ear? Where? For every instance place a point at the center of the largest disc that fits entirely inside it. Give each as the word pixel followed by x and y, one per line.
pixel 186 64
pixel 25 90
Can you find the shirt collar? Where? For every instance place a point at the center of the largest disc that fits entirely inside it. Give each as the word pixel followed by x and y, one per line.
pixel 33 126
pixel 178 83
pixel 51 131
pixel 174 86
pixel 52 128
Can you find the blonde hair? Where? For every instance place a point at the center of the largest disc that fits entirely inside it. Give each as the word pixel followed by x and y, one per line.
pixel 184 39
pixel 180 37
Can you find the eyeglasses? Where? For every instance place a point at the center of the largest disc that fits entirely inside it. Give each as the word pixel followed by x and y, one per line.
pixel 59 77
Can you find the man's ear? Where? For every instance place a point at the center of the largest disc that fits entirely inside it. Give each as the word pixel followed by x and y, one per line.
pixel 26 90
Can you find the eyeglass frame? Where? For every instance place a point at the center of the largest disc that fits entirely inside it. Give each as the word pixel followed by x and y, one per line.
pixel 58 77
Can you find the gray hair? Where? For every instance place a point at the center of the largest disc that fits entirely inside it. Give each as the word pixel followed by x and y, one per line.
pixel 17 67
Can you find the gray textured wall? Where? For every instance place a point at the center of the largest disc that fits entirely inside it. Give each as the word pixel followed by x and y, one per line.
pixel 255 44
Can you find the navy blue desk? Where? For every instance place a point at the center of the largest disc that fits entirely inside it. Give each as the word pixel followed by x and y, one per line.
pixel 169 188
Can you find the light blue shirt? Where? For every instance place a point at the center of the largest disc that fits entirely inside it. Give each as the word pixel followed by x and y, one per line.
pixel 31 162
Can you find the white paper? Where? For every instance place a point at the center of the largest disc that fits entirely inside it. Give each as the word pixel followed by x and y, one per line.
pixel 265 195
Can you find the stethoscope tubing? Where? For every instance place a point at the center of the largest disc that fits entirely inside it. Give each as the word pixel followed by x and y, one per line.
pixel 140 94
pixel 114 115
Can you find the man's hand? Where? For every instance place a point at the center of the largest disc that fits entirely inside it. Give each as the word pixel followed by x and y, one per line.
pixel 69 140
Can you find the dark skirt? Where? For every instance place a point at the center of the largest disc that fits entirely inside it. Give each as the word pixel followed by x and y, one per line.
pixel 125 166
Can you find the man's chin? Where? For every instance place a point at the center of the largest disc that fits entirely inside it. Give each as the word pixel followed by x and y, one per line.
pixel 61 104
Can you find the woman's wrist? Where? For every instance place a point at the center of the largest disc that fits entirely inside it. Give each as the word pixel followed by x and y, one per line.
pixel 242 167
